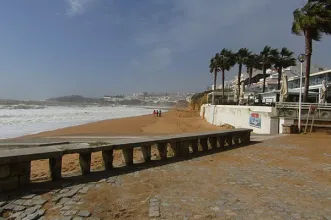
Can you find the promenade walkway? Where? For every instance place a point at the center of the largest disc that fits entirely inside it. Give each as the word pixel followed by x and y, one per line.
pixel 286 177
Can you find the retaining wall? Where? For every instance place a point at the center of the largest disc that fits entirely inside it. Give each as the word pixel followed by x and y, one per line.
pixel 263 120
pixel 15 164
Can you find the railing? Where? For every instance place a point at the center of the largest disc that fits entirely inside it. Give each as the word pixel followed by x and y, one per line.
pixel 291 110
pixel 15 164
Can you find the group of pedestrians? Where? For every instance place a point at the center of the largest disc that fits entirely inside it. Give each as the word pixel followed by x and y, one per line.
pixel 157 113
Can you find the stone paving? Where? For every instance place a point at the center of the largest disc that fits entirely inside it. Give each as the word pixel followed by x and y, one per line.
pixel 283 178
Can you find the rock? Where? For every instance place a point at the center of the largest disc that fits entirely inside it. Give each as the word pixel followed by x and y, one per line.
pixel 78 218
pixel 154 208
pixel 70 203
pixel 29 196
pixel 41 212
pixel 63 191
pixel 70 213
pixel 63 200
pixel 153 200
pixel 33 216
pixel 154 214
pixel 39 201
pixel 230 213
pixel 14 216
pixel 75 199
pixel 2 204
pixel 9 206
pixel 31 210
pixel 71 193
pixel 28 203
pixel 215 209
pixel 19 202
pixel 111 179
pixel 66 218
pixel 102 181
pixel 18 208
pixel 57 198
pixel 56 207
pixel 296 216
pixel 66 208
pixel 84 213
pixel 84 190
pixel 93 218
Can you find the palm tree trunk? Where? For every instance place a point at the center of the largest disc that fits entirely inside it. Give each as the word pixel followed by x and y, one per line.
pixel 264 73
pixel 250 75
pixel 223 78
pixel 280 70
pixel 239 77
pixel 309 46
pixel 215 77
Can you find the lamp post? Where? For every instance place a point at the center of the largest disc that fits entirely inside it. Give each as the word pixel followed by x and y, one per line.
pixel 301 58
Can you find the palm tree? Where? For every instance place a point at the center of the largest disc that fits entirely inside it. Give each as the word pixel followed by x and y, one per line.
pixel 251 63
pixel 266 61
pixel 282 59
pixel 312 20
pixel 241 58
pixel 225 62
pixel 214 69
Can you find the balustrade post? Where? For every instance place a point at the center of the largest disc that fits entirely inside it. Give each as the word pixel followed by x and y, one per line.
pixel 107 156
pixel 128 156
pixel 195 145
pixel 228 140
pixel 204 144
pixel 221 140
pixel 184 148
pixel 55 167
pixel 85 162
pixel 146 152
pixel 213 142
pixel 162 148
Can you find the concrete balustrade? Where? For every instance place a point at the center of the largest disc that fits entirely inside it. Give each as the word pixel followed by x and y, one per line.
pixel 15 164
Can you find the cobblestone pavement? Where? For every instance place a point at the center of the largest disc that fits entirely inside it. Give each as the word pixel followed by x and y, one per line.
pixel 283 178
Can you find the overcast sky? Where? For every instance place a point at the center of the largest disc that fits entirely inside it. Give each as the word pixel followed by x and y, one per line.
pixel 51 48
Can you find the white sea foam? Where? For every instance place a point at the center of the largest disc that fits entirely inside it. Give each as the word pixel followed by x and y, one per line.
pixel 16 122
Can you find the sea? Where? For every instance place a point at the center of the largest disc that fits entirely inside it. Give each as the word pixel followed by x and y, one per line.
pixel 21 119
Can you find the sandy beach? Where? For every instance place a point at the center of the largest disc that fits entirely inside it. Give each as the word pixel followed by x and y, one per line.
pixel 174 121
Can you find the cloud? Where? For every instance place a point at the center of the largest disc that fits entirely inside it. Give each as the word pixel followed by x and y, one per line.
pixel 77 6
pixel 152 61
pixel 187 25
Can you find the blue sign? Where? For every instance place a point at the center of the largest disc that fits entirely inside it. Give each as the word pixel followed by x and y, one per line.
pixel 255 120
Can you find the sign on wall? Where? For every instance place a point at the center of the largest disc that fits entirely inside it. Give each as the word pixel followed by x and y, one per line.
pixel 255 120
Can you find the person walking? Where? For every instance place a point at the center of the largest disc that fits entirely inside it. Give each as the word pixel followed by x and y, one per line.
pixel 157 113
pixel 154 113
pixel 160 113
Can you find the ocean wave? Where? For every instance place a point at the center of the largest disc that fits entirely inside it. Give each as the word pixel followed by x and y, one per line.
pixel 22 106
pixel 21 120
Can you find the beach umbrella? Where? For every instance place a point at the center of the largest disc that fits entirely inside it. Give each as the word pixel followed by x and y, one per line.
pixel 323 94
pixel 284 89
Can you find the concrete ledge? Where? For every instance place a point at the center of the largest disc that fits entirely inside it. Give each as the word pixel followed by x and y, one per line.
pixel 15 164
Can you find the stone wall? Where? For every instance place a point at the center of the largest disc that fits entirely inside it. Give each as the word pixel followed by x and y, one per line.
pixel 15 164
pixel 14 175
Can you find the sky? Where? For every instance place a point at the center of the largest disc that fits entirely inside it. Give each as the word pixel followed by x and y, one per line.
pixel 51 48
